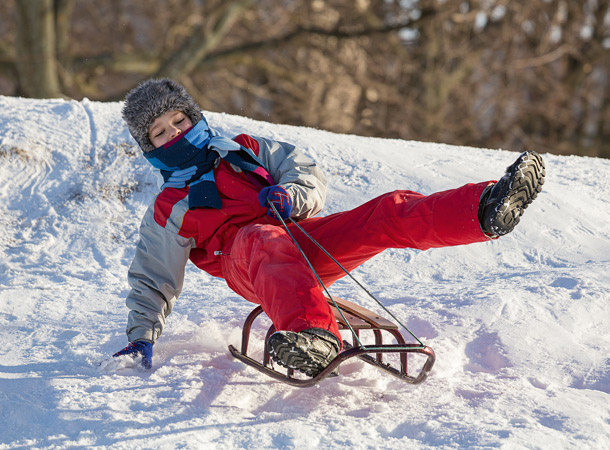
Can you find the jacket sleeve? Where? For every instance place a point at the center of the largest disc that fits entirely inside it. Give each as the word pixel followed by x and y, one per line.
pixel 156 277
pixel 297 173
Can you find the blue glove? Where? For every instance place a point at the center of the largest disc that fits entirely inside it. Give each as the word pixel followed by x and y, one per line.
pixel 280 198
pixel 139 348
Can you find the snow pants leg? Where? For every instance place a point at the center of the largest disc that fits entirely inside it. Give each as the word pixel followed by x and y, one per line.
pixel 265 266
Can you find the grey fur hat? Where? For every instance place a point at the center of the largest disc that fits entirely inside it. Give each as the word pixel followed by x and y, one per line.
pixel 152 99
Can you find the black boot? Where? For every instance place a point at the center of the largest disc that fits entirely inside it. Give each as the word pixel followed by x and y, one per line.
pixel 308 351
pixel 502 204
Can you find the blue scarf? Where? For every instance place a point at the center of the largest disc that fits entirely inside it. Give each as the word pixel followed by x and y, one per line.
pixel 190 159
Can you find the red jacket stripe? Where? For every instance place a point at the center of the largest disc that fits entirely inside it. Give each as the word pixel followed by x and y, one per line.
pixel 248 142
pixel 165 203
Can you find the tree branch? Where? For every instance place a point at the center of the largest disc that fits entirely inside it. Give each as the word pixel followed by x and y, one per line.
pixel 201 42
pixel 303 31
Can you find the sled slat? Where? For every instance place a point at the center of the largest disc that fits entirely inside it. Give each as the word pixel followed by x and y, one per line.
pixel 369 317
pixel 356 322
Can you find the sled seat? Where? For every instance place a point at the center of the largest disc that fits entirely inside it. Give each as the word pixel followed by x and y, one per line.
pixel 359 319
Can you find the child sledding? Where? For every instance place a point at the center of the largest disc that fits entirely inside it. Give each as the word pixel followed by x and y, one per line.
pixel 219 207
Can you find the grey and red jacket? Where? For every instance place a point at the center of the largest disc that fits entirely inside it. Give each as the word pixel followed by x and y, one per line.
pixel 171 234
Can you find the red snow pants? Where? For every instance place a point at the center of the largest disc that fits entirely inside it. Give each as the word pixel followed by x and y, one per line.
pixel 265 267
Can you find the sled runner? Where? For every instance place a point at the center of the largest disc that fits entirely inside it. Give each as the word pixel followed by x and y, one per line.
pixel 359 319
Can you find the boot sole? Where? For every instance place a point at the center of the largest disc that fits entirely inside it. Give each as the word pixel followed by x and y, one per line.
pixel 525 184
pixel 285 351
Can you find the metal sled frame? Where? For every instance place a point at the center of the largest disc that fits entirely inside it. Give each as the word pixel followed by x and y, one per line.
pixel 360 319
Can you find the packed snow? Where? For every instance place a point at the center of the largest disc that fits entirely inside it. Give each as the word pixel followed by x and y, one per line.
pixel 520 326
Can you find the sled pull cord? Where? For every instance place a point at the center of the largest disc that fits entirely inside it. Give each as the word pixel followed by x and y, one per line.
pixel 343 269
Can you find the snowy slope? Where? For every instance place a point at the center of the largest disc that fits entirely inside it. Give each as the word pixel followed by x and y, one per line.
pixel 519 325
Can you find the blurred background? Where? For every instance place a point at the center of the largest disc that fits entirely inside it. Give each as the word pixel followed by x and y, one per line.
pixel 509 74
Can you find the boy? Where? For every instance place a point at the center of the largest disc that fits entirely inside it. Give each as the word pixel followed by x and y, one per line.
pixel 214 209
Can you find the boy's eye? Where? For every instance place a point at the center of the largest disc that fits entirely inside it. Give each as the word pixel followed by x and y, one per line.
pixel 159 133
pixel 180 121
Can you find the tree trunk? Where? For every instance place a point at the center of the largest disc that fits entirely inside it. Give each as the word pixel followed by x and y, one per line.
pixel 36 61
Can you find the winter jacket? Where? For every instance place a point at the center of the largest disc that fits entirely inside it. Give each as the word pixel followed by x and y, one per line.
pixel 170 234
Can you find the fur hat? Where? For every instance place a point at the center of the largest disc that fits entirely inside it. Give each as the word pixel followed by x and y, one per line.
pixel 152 99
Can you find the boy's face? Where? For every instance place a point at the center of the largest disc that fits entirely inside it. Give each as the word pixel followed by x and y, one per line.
pixel 167 127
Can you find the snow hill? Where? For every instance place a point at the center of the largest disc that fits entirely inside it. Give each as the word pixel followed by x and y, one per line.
pixel 520 325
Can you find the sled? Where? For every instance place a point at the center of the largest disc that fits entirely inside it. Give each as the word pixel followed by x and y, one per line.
pixel 359 319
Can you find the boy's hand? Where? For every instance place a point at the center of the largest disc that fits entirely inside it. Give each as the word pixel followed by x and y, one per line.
pixel 279 197
pixel 138 348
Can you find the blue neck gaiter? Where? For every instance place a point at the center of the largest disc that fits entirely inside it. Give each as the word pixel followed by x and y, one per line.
pixel 189 160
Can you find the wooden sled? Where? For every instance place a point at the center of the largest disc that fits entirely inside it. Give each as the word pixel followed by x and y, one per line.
pixel 360 319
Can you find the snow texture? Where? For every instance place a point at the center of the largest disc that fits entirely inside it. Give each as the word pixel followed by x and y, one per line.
pixel 519 325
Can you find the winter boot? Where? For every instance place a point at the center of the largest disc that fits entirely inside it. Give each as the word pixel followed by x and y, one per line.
pixel 308 351
pixel 502 203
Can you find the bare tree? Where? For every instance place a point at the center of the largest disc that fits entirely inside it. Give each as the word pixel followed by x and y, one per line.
pixel 488 73
pixel 36 57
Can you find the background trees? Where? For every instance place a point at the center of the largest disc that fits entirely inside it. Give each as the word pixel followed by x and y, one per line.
pixel 489 73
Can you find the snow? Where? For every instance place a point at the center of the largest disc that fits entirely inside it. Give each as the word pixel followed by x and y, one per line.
pixel 519 325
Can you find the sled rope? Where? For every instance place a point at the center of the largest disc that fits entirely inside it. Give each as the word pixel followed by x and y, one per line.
pixel 314 270
pixel 344 270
